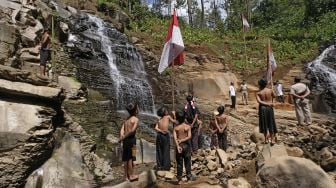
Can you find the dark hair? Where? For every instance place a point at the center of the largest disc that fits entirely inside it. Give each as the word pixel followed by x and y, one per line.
pixel 180 116
pixel 221 109
pixel 46 30
pixel 161 111
pixel 231 83
pixel 189 98
pixel 297 79
pixel 132 109
pixel 262 83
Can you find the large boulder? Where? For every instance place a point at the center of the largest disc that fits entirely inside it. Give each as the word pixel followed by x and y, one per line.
pixel 64 168
pixel 9 41
pixel 18 75
pixel 292 172
pixel 34 92
pixel 26 140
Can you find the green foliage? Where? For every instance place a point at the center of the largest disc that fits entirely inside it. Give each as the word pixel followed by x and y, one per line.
pixel 296 29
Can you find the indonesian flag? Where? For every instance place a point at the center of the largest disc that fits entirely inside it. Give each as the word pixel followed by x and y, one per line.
pixel 271 63
pixel 173 49
pixel 246 25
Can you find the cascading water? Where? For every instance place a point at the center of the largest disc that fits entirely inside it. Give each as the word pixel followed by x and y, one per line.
pixel 126 68
pixel 322 73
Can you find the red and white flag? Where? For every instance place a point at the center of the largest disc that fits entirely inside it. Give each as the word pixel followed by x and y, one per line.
pixel 246 25
pixel 173 49
pixel 271 63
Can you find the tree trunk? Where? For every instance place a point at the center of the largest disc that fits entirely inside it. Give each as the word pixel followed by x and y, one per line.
pixel 202 13
pixel 189 2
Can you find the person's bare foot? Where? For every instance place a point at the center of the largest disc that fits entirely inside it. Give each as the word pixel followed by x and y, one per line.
pixel 179 182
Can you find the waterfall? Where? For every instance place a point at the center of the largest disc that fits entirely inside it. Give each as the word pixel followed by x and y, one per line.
pixel 126 68
pixel 322 73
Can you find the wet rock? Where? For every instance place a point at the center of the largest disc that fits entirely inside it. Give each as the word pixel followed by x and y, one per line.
pixel 293 172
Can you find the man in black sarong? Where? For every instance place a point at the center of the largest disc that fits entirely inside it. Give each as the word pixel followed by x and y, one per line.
pixel 163 139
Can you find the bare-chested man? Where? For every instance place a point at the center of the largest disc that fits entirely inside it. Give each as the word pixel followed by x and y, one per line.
pixel 163 139
pixel 214 137
pixel 267 124
pixel 221 124
pixel 45 54
pixel 182 136
pixel 127 136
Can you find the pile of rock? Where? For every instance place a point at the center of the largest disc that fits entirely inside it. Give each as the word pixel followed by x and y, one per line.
pixel 213 164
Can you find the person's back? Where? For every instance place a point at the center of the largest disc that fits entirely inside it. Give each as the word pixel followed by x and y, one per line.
pixel 221 120
pixel 266 95
pixel 299 88
pixel 182 135
pixel 129 125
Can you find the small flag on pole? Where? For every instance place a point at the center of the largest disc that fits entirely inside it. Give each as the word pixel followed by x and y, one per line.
pixel 173 49
pixel 271 63
pixel 246 25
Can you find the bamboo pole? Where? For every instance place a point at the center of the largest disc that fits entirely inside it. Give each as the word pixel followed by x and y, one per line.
pixel 173 85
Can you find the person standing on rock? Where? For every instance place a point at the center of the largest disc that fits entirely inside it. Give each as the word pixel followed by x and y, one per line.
pixel 221 125
pixel 214 137
pixel 232 93
pixel 243 89
pixel 163 139
pixel 299 91
pixel 267 124
pixel 127 137
pixel 191 117
pixel 45 54
pixel 278 92
pixel 182 136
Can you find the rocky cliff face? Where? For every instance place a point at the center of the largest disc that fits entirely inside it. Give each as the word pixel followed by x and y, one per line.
pixel 37 138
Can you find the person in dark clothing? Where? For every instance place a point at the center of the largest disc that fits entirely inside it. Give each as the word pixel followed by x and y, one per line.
pixel 163 139
pixel 191 113
pixel 127 137
pixel 221 124
pixel 45 55
pixel 267 124
pixel 182 136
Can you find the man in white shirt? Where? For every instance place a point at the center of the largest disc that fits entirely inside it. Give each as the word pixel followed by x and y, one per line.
pixel 299 92
pixel 278 92
pixel 232 94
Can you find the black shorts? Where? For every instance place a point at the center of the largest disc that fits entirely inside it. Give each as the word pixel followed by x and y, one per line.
pixel 45 56
pixel 128 144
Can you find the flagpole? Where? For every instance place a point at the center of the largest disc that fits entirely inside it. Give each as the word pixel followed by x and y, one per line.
pixel 173 85
pixel 269 46
pixel 243 29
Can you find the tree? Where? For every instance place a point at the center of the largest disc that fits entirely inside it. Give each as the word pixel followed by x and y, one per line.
pixel 190 16
pixel 202 13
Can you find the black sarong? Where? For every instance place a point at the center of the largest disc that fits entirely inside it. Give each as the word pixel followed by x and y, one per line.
pixel 163 151
pixel 266 120
pixel 128 144
pixel 45 56
pixel 184 157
